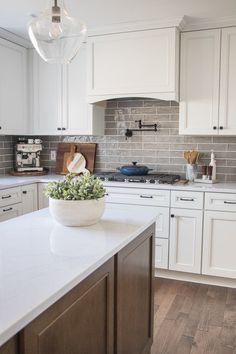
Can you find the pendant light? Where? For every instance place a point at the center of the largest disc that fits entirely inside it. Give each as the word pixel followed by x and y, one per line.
pixel 55 35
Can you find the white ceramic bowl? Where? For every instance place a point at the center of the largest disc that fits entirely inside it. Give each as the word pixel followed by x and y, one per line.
pixel 77 212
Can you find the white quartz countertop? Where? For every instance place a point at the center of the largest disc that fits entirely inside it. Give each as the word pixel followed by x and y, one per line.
pixel 40 260
pixel 11 181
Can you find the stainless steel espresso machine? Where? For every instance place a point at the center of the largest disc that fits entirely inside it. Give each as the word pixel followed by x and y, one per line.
pixel 27 155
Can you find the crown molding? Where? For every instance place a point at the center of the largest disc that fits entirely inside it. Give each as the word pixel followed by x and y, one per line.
pixel 136 26
pixel 194 24
pixel 14 38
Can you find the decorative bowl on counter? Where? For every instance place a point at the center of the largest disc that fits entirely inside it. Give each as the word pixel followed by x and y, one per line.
pixel 76 200
pixel 77 212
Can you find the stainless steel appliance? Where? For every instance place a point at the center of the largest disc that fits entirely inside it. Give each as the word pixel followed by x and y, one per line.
pixel 27 155
pixel 154 178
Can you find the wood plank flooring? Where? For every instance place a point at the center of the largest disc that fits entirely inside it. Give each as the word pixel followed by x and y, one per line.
pixel 193 318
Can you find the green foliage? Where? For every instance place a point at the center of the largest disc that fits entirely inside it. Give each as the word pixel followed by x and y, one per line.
pixel 84 187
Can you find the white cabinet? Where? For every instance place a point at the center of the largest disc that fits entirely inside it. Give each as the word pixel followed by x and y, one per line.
pixel 199 82
pixel 161 253
pixel 219 244
pixel 13 88
pixel 59 101
pixel 46 96
pixel 134 64
pixel 10 196
pixel 43 201
pixel 29 198
pixel 10 212
pixel 185 240
pixel 227 121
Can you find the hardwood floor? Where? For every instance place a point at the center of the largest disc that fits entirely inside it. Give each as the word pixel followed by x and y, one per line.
pixel 193 318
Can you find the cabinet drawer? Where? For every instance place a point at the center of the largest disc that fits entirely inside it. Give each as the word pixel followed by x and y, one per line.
pixel 188 200
pixel 220 201
pixel 161 253
pixel 10 212
pixel 135 196
pixel 10 196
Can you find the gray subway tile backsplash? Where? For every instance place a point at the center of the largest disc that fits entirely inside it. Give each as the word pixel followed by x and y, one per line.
pixel 162 151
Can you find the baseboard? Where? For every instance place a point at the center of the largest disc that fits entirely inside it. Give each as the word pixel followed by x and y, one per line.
pixel 195 278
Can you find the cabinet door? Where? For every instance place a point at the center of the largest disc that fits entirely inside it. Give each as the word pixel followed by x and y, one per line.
pixel 11 347
pixel 13 89
pixel 219 244
pixel 199 82
pixel 82 322
pixel 227 120
pixel 185 240
pixel 43 201
pixel 10 212
pixel 161 253
pixel 134 63
pixel 47 96
pixel 134 312
pixel 79 117
pixel 29 198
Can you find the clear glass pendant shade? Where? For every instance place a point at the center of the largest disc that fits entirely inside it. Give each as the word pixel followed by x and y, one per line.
pixel 56 36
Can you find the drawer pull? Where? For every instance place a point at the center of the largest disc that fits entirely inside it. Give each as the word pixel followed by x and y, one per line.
pixel 187 199
pixel 9 209
pixel 24 192
pixel 229 202
pixel 146 196
pixel 106 194
pixel 172 216
pixel 6 196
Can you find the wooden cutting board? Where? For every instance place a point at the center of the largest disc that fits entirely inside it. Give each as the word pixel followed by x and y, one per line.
pixel 65 152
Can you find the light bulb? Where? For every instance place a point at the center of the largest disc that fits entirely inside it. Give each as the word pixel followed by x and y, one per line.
pixel 56 31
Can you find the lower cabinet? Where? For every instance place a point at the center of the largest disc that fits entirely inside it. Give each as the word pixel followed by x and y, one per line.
pixel 29 198
pixel 185 240
pixel 134 296
pixel 79 323
pixel 43 201
pixel 161 253
pixel 11 347
pixel 219 244
pixel 10 212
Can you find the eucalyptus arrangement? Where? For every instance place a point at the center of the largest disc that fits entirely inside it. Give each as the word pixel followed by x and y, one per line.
pixel 73 187
pixel 76 200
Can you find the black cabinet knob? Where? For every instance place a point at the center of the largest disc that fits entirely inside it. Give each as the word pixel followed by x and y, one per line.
pixel 24 192
pixel 63 128
pixel 172 216
pixel 214 127
pixel 221 128
pixel 58 128
pixel 0 128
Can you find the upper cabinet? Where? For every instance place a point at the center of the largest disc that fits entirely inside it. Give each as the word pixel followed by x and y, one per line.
pixel 59 101
pixel 227 112
pixel 199 82
pixel 13 88
pixel 208 82
pixel 134 64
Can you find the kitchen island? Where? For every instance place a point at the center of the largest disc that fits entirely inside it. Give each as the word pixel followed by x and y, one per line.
pixel 77 290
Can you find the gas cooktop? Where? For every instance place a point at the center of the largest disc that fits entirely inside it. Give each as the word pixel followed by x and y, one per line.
pixel 155 178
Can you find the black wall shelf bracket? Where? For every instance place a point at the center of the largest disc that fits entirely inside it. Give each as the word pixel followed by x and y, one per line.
pixel 142 128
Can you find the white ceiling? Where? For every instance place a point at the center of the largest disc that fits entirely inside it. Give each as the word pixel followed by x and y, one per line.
pixel 97 13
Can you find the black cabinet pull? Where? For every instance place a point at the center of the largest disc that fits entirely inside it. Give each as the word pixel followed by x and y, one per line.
pixel 146 196
pixel 58 128
pixel 24 192
pixel 0 128
pixel 6 196
pixel 187 199
pixel 221 128
pixel 9 209
pixel 172 216
pixel 214 127
pixel 228 202
pixel 63 128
